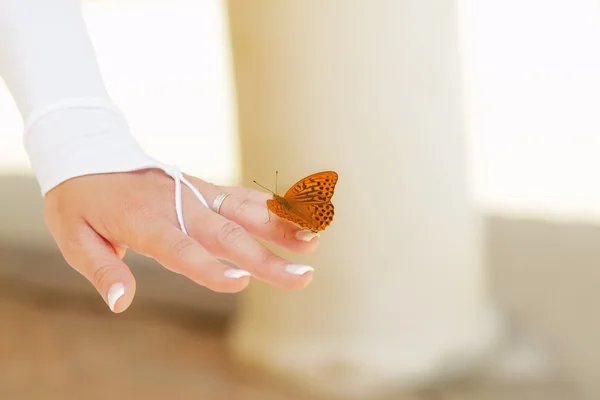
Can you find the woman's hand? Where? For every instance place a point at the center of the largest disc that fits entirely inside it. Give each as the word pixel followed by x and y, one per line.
pixel 95 218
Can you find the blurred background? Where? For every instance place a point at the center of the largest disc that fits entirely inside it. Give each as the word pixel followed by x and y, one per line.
pixel 530 83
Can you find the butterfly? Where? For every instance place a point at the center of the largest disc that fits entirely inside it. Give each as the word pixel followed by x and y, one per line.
pixel 307 203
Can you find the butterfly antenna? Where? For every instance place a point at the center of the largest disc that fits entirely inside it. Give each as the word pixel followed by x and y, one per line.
pixel 263 187
pixel 276 173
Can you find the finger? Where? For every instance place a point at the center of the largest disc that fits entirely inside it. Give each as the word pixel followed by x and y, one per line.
pixel 228 240
pixel 280 227
pixel 253 195
pixel 96 259
pixel 247 207
pixel 180 253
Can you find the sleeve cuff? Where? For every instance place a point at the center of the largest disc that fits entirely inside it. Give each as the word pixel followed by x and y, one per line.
pixel 79 137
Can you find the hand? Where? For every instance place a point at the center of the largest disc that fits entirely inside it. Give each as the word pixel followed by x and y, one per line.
pixel 96 218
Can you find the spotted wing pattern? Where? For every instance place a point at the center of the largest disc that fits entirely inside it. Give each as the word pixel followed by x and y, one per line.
pixel 321 216
pixel 316 188
pixel 309 202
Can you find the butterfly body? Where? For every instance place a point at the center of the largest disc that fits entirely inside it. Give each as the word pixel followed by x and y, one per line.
pixel 307 204
pixel 286 204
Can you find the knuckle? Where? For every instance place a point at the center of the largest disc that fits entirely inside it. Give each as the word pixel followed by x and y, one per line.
pixel 230 232
pixel 182 247
pixel 270 258
pixel 241 207
pixel 103 274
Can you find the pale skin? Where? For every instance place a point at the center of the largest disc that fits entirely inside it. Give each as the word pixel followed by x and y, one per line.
pixel 96 218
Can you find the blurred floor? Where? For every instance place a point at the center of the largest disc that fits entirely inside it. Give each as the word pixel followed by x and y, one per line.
pixel 59 340
pixel 71 347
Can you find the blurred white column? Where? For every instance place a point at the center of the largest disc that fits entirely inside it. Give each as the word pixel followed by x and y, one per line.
pixel 371 89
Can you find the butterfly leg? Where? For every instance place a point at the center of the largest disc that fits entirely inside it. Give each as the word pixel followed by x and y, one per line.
pixel 269 216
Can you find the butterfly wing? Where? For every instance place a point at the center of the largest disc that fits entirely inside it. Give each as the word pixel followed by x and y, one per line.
pixel 320 215
pixel 310 201
pixel 314 189
pixel 301 221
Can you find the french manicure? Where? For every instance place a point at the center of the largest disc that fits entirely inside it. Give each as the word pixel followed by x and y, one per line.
pixel 306 236
pixel 298 269
pixel 114 293
pixel 236 273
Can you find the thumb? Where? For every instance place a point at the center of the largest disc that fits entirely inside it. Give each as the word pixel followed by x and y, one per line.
pixel 96 259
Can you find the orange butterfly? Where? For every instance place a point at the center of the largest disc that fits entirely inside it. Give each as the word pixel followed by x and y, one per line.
pixel 307 204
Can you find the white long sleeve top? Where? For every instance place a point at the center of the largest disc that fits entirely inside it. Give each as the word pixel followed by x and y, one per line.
pixel 71 126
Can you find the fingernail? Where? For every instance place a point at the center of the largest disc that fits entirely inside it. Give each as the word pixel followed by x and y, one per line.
pixel 236 273
pixel 298 269
pixel 305 235
pixel 114 293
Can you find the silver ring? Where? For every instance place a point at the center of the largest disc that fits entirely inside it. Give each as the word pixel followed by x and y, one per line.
pixel 219 201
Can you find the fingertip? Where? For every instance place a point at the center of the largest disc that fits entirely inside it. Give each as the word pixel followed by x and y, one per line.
pixel 115 292
pixel 233 287
pixel 307 248
pixel 304 282
pixel 235 273
pixel 306 235
pixel 302 273
pixel 229 280
pixel 120 296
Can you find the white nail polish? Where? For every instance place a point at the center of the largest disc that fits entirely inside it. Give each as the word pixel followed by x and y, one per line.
pixel 114 293
pixel 305 235
pixel 298 269
pixel 236 273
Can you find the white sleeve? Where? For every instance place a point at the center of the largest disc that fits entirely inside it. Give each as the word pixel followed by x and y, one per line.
pixel 72 128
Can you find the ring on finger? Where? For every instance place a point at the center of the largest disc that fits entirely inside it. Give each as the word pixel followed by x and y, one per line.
pixel 219 201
